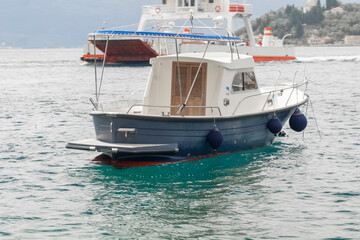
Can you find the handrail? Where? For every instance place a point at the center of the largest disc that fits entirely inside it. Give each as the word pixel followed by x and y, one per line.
pixel 157 106
pixel 296 74
pixel 269 93
pixel 230 34
pixel 277 81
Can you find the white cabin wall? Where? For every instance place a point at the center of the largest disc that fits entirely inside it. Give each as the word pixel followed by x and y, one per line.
pixel 236 98
pixel 219 76
pixel 213 85
pixel 159 88
pixel 148 86
pixel 226 82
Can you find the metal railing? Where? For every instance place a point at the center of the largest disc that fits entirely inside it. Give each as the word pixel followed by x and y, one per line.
pixel 269 93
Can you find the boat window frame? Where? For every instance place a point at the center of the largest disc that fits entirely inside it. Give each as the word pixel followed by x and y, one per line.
pixel 252 78
pixel 244 85
pixel 240 84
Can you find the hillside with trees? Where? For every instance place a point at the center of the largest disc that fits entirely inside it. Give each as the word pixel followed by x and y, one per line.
pixel 320 21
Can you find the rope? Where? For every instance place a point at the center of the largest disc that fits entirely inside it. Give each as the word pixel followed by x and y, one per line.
pixel 317 126
pixel 208 27
pixel 182 28
pixel 306 111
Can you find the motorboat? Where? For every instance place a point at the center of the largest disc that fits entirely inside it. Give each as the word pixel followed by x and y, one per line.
pixel 219 13
pixel 195 105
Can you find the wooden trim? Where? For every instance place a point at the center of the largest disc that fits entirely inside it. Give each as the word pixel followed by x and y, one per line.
pixel 200 100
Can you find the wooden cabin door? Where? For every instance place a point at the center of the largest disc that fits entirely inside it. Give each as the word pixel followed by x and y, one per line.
pixel 197 97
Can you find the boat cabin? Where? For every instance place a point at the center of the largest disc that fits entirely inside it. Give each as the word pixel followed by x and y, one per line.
pixel 220 84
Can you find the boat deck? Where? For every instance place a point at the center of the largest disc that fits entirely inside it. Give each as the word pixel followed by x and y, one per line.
pixel 96 145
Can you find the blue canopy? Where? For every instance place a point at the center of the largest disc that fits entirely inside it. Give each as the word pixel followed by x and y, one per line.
pixel 165 35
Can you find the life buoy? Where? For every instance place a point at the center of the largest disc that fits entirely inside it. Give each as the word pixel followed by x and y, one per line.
pixel 217 9
pixel 157 10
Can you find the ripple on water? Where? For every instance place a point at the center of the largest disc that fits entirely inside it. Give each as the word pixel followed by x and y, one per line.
pixel 304 188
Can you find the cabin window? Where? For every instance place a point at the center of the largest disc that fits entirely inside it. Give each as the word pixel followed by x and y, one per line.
pixel 164 2
pixel 250 81
pixel 186 3
pixel 237 84
pixel 211 1
pixel 243 81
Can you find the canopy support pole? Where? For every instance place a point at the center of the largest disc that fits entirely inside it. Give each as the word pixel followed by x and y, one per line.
pixel 178 69
pixel 95 73
pixel 181 108
pixel 103 67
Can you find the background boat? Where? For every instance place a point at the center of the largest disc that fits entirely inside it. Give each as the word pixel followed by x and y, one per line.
pixel 220 13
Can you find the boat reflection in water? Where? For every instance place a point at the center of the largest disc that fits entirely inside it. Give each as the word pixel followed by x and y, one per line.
pixel 127 162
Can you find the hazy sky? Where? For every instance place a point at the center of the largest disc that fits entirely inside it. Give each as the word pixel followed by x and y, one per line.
pixel 66 23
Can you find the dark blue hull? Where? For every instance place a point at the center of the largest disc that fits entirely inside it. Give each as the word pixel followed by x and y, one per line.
pixel 190 134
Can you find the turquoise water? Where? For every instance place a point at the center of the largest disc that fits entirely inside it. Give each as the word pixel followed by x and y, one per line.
pixel 301 188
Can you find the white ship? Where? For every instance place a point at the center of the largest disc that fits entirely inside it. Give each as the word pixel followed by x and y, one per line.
pixel 163 18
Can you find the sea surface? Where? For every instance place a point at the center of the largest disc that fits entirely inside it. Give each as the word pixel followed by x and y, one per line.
pixel 302 187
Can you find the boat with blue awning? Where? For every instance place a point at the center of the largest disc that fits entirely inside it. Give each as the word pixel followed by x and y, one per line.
pixel 195 105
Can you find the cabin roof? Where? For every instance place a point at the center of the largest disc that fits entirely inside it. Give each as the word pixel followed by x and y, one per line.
pixel 164 35
pixel 221 58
